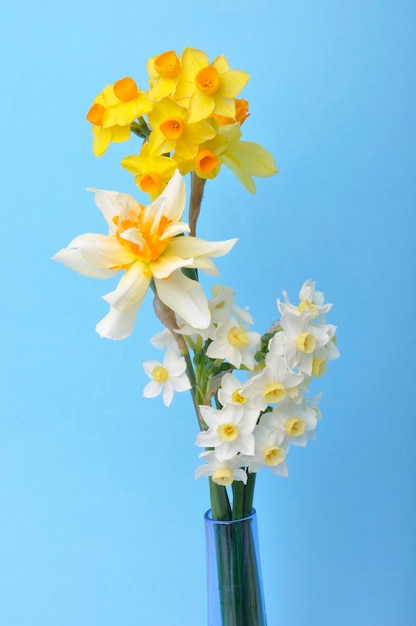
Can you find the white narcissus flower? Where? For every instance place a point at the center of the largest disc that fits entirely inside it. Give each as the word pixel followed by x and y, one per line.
pixel 274 383
pixel 232 392
pixel 145 242
pixel 299 339
pixel 230 430
pixel 309 300
pixel 234 343
pixel 167 377
pixel 222 472
pixel 296 421
pixel 270 451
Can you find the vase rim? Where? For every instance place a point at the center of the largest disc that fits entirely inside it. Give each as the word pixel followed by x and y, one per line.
pixel 208 518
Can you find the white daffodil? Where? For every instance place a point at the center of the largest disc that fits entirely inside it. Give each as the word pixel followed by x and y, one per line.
pixel 299 340
pixel 166 377
pixel 274 383
pixel 146 242
pixel 222 472
pixel 230 430
pixel 234 343
pixel 232 392
pixel 270 451
pixel 309 300
pixel 296 421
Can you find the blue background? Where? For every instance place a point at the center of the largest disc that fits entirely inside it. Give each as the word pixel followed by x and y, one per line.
pixel 101 520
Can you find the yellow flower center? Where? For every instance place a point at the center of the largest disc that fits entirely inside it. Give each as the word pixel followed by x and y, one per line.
pixel 160 374
pixel 172 129
pixel 227 431
pixel 150 182
pixel 95 114
pixel 167 64
pixel 152 247
pixel 274 392
pixel 206 161
pixel 295 426
pixel 237 337
pixel 222 476
pixel 273 455
pixel 237 397
pixel 125 89
pixel 208 80
pixel 318 366
pixel 305 342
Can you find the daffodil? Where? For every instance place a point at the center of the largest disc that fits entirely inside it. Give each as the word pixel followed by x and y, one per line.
pixel 244 158
pixel 309 299
pixel 270 451
pixel 223 472
pixel 104 135
pixel 166 377
pixel 164 71
pixel 152 172
pixel 207 88
pixel 230 430
pixel 232 341
pixel 274 383
pixel 125 102
pixel 150 244
pixel 299 339
pixel 297 420
pixel 173 133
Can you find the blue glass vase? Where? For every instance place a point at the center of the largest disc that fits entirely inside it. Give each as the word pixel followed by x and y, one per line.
pixel 235 588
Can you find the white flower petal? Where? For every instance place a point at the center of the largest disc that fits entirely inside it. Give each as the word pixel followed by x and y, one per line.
pixel 175 196
pixel 106 201
pixel 186 247
pixel 152 389
pixel 131 288
pixel 165 265
pixel 185 297
pixel 118 324
pixel 74 260
pixel 102 251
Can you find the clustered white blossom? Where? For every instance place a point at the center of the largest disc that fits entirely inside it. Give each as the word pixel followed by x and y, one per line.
pixel 254 422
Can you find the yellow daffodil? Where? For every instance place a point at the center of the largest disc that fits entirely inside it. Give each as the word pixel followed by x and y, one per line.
pixel 103 136
pixel 152 172
pixel 207 88
pixel 244 158
pixel 172 132
pixel 125 102
pixel 163 71
pixel 149 243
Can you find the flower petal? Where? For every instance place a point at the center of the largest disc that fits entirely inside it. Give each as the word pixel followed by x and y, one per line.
pixel 125 302
pixel 102 251
pixel 175 197
pixel 131 288
pixel 186 247
pixel 73 259
pixel 186 297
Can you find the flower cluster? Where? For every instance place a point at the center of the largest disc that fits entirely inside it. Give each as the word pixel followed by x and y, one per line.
pixel 254 422
pixel 250 391
pixel 190 120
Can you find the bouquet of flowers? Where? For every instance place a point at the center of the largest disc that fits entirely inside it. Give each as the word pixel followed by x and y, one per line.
pixel 249 389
